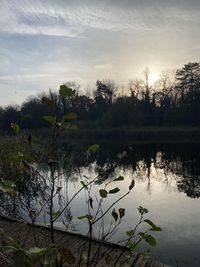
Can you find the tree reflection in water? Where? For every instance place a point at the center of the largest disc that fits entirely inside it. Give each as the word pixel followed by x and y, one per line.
pixel 180 163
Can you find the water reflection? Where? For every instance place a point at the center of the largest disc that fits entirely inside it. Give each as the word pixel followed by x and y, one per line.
pixel 168 163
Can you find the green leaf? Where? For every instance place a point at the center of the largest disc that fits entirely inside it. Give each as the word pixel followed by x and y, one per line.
pixel 132 245
pixel 50 119
pixel 131 185
pixel 103 193
pixel 70 116
pixel 15 127
pixel 66 91
pixel 120 178
pixel 130 233
pixel 114 190
pixel 154 227
pixel 8 187
pixel 37 251
pixel 87 216
pixel 83 184
pixel 94 148
pixel 149 239
pixel 82 217
pixel 54 214
pixel 21 259
pixel 142 210
pixel 16 157
pixel 50 258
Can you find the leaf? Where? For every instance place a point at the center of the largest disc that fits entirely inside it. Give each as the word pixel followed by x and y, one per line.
pixel 54 214
pixel 91 202
pixel 132 185
pixel 66 91
pixel 121 213
pixel 50 258
pixel 87 216
pixel 142 210
pixel 15 127
pixel 83 184
pixel 149 239
pixel 115 215
pixel 154 227
pixel 47 101
pixel 94 148
pixel 8 187
pixel 16 157
pixel 130 233
pixel 114 190
pixel 103 193
pixel 120 178
pixel 67 255
pixel 50 119
pixel 132 245
pixel 37 250
pixel 108 259
pixel 70 116
pixel 21 259
pixel 82 217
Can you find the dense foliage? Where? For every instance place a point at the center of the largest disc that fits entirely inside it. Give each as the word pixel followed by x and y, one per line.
pixel 169 102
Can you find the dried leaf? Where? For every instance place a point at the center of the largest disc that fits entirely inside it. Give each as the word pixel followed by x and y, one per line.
pixel 115 215
pixel 121 212
pixel 67 255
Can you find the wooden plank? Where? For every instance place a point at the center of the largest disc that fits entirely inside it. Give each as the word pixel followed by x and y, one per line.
pixel 75 242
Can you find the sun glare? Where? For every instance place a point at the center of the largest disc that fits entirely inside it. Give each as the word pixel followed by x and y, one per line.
pixel 153 78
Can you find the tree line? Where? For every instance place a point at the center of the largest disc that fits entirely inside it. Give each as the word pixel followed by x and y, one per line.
pixel 171 101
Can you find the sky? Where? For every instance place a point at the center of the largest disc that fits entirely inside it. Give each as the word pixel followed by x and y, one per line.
pixel 44 43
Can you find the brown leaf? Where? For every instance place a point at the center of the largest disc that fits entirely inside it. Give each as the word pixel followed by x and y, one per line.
pixel 121 213
pixel 115 215
pixel 67 255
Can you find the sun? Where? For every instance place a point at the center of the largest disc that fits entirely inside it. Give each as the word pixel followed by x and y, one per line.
pixel 153 78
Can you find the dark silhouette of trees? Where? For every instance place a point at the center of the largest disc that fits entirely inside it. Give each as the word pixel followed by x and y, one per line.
pixel 172 101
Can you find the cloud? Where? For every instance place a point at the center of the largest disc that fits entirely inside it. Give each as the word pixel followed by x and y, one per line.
pixel 63 18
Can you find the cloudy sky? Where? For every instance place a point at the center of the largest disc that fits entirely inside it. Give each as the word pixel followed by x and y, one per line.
pixel 44 43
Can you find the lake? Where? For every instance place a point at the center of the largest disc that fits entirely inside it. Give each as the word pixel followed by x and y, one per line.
pixel 167 183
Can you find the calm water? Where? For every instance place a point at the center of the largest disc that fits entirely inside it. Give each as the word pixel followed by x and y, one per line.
pixel 167 183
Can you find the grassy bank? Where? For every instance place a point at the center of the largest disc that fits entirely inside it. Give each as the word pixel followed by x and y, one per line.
pixel 115 135
pixel 142 134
